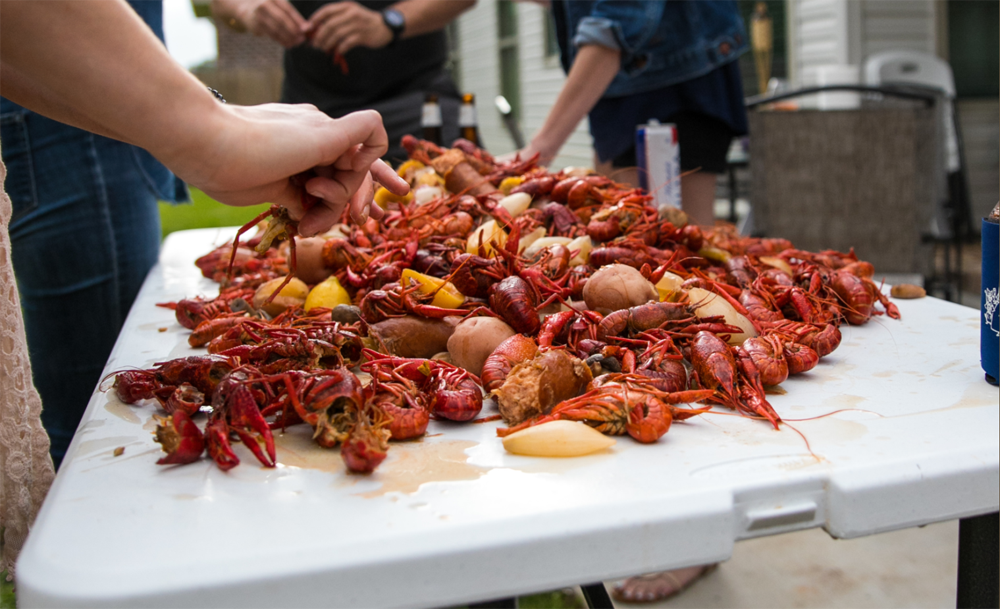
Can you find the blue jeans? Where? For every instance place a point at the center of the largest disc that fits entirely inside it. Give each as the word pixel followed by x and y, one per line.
pixel 84 233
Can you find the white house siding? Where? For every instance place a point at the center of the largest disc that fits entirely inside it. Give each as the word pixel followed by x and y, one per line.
pixel 836 32
pixel 541 79
pixel 479 67
pixel 891 25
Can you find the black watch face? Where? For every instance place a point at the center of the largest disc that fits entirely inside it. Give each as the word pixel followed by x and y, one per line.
pixel 394 19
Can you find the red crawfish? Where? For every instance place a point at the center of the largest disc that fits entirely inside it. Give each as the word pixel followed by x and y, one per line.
pixel 366 444
pixel 395 300
pixel 180 438
pixel 623 403
pixel 715 368
pixel 824 339
pixel 453 393
pixel 511 352
pixel 202 372
pixel 396 390
pixel 569 328
pixel 327 400
pixel 235 410
pixel 676 316
pixel 859 296
pixel 663 362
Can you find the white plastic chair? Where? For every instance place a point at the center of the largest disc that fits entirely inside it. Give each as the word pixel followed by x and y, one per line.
pixel 916 68
pixel 909 68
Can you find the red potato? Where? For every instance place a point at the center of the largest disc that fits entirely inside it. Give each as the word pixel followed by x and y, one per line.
pixel 309 256
pixel 617 286
pixel 412 336
pixel 475 339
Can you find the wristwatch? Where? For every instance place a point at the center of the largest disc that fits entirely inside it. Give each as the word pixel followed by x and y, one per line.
pixel 395 21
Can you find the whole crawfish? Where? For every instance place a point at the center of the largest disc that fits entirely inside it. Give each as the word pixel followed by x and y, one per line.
pixel 623 403
pixel 715 368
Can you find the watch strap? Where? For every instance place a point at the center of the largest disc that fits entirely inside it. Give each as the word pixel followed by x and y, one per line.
pixel 396 23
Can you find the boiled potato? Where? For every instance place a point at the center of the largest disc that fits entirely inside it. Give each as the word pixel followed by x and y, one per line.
pixel 710 304
pixel 292 295
pixel 557 439
pixel 328 294
pixel 475 339
pixel 309 259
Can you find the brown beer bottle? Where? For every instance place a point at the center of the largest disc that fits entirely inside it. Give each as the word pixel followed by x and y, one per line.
pixel 430 119
pixel 467 123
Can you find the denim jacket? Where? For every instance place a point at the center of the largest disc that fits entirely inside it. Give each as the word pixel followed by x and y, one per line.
pixel 661 42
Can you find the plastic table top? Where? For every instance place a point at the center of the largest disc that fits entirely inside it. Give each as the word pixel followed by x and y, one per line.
pixel 909 437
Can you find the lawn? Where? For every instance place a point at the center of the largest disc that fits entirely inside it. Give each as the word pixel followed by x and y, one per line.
pixel 204 213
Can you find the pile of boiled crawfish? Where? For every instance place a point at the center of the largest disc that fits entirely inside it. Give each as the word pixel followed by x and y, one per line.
pixel 625 371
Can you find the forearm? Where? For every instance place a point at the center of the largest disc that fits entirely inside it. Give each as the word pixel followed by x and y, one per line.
pixel 593 70
pixel 423 16
pixel 28 93
pixel 103 70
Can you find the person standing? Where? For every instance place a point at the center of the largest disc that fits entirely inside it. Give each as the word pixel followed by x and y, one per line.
pixel 630 62
pixel 384 55
pixel 84 233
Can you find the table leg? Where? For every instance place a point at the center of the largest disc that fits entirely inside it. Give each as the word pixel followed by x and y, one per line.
pixel 978 566
pixel 597 596
pixel 500 603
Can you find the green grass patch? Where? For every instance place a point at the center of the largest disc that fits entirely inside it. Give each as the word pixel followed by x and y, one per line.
pixel 205 212
pixel 557 599
pixel 7 600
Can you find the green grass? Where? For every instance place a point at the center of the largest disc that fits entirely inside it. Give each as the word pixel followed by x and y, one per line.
pixel 7 600
pixel 557 599
pixel 204 213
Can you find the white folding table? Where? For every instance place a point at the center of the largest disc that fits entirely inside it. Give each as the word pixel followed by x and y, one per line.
pixel 895 429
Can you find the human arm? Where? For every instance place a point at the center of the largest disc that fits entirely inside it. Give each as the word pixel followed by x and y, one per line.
pixel 276 19
pixel 342 26
pixel 101 68
pixel 593 70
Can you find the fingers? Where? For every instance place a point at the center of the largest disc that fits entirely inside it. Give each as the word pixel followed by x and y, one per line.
pixel 280 21
pixel 343 26
pixel 330 25
pixel 384 175
pixel 362 128
pixel 362 200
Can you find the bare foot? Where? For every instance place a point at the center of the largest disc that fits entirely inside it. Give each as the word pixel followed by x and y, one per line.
pixel 659 586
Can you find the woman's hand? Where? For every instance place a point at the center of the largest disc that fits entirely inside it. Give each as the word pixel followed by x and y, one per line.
pixel 338 27
pixel 545 156
pixel 276 19
pixel 255 154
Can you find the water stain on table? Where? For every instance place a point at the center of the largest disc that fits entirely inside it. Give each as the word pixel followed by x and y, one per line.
pixel 91 446
pixel 296 448
pixel 414 464
pixel 121 410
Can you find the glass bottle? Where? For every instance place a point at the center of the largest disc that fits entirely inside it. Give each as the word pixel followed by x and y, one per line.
pixel 430 119
pixel 467 124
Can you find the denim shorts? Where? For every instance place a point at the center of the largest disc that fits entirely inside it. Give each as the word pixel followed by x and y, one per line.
pixel 85 231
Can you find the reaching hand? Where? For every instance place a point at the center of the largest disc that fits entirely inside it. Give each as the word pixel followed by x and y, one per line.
pixel 276 19
pixel 256 153
pixel 341 26
pixel 544 159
